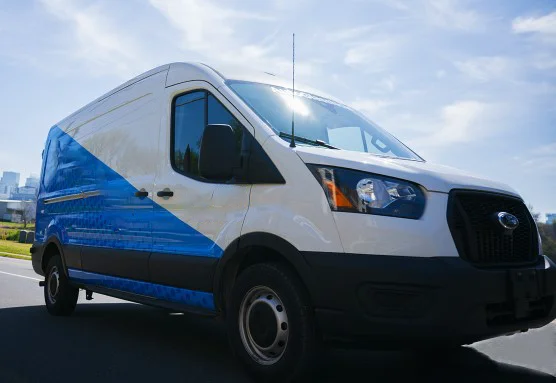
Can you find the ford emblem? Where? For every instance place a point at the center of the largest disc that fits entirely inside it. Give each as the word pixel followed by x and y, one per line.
pixel 507 220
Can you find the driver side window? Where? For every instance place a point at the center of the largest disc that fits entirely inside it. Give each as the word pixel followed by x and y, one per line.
pixel 192 112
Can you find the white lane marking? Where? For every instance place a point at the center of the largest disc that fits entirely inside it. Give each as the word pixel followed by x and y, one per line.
pixel 21 276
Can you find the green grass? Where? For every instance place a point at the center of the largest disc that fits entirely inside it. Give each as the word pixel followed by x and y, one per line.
pixel 10 230
pixel 10 224
pixel 13 225
pixel 15 247
pixel 9 234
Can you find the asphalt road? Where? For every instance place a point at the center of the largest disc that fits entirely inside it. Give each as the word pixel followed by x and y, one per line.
pixel 109 340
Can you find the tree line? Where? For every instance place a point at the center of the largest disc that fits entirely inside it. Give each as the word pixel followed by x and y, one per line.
pixel 548 235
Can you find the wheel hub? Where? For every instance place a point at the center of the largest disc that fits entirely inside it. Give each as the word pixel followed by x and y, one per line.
pixel 53 285
pixel 263 324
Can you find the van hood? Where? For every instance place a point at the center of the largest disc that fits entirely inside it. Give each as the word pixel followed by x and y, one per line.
pixel 435 178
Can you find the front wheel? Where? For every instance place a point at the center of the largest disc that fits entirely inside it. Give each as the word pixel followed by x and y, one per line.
pixel 59 295
pixel 271 324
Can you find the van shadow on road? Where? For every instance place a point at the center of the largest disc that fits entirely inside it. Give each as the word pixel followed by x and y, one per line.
pixel 128 342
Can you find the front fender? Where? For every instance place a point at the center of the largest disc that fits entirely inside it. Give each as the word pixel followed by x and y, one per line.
pixel 235 253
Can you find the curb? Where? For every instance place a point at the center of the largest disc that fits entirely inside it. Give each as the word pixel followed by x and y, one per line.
pixel 16 256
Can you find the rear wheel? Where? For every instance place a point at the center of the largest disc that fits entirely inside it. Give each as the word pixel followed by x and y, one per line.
pixel 270 324
pixel 59 295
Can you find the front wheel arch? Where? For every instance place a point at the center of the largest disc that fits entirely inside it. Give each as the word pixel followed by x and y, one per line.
pixel 252 248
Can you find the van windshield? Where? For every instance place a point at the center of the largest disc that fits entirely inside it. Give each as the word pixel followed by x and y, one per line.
pixel 318 119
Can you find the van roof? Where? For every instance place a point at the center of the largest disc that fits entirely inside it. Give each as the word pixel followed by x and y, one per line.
pixel 178 71
pixel 240 73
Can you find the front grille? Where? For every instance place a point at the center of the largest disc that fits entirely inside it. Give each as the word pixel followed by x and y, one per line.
pixel 480 239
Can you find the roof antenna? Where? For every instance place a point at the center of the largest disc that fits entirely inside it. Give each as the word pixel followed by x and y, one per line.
pixel 292 142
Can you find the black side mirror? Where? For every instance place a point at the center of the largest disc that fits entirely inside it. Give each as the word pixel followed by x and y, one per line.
pixel 218 157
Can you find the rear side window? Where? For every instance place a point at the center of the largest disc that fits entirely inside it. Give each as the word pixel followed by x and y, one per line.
pixel 192 112
pixel 65 166
pixel 51 163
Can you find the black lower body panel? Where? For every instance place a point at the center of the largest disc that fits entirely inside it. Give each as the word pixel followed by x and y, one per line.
pixel 37 251
pixel 149 301
pixel 395 301
pixel 132 264
pixel 177 270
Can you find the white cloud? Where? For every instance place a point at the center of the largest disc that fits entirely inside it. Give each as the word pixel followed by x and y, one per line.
pixel 486 68
pixel 389 83
pixel 547 150
pixel 449 14
pixel 213 31
pixel 202 23
pixel 460 122
pixel 347 34
pixel 374 56
pixel 96 41
pixel 545 62
pixel 399 5
pixel 541 159
pixel 370 106
pixel 543 30
pixel 544 24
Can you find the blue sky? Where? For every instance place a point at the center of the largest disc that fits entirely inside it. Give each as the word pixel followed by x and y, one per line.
pixel 471 84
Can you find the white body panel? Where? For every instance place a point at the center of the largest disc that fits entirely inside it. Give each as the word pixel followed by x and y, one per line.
pixel 128 129
pixel 433 177
pixel 296 211
pixel 379 235
pixel 213 209
pixel 121 129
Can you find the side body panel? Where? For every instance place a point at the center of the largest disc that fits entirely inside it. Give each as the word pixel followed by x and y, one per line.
pixel 426 237
pixel 95 163
pixel 297 211
pixel 213 211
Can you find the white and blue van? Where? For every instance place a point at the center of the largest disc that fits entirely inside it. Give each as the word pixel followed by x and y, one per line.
pixel 184 189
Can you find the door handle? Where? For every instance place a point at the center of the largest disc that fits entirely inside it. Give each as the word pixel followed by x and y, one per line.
pixel 141 193
pixel 165 193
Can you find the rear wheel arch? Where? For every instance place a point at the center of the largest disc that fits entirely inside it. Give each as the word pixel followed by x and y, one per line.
pixel 52 248
pixel 256 248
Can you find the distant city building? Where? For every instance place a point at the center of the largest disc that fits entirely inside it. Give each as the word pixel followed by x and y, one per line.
pixel 9 183
pixel 550 218
pixel 32 181
pixel 12 211
pixel 25 193
pixel 10 178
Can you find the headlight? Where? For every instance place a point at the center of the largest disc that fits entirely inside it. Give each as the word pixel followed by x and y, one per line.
pixel 359 192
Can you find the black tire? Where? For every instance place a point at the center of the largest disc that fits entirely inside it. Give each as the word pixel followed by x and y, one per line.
pixel 300 342
pixel 59 295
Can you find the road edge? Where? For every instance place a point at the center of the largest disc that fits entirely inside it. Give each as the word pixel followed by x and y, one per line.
pixel 15 256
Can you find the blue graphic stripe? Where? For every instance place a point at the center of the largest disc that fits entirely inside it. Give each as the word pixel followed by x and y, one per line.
pixel 187 297
pixel 114 218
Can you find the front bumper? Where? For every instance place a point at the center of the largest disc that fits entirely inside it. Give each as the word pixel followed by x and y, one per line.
pixel 398 301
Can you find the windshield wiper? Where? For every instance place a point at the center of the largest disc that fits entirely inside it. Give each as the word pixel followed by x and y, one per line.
pixel 308 140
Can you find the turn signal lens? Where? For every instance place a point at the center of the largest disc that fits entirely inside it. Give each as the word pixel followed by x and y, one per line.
pixel 338 198
pixel 359 192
